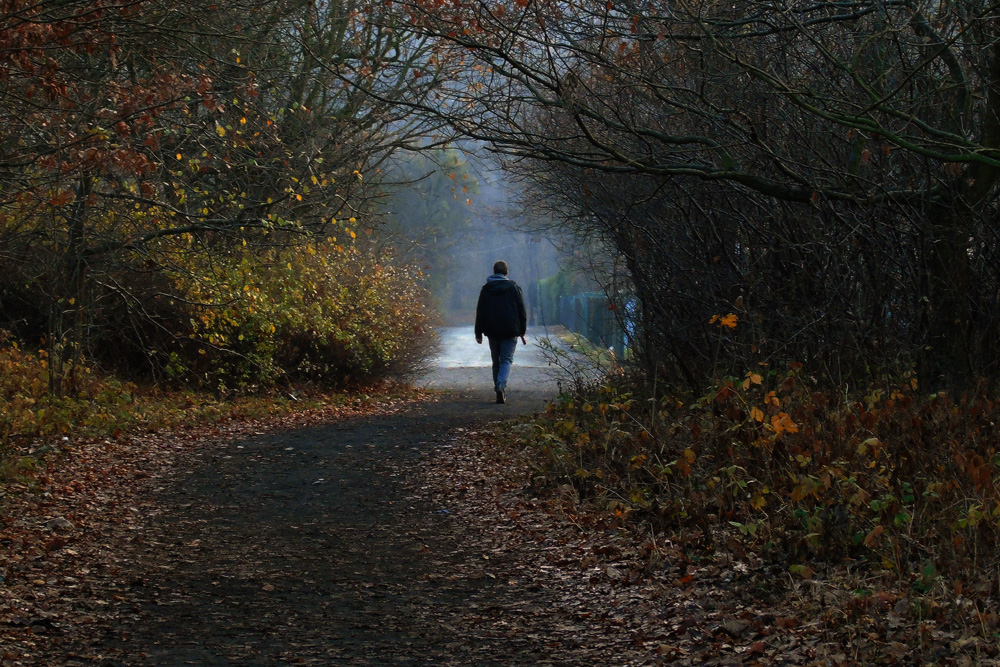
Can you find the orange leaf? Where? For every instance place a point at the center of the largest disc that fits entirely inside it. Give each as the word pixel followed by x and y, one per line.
pixel 782 422
pixel 871 538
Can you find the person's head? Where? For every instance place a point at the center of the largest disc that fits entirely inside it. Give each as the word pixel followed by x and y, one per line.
pixel 500 267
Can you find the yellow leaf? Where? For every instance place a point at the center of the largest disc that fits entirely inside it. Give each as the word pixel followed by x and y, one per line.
pixel 219 130
pixel 870 442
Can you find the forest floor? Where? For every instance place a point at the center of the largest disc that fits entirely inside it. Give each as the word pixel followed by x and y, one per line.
pixel 404 532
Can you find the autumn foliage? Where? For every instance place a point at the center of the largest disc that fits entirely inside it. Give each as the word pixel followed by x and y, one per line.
pixel 894 481
pixel 322 314
pixel 175 200
pixel 35 422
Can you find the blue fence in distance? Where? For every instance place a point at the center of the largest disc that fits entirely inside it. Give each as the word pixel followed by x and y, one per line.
pixel 590 314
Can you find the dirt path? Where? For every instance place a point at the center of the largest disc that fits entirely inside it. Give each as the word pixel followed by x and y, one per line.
pixel 322 545
pixel 305 546
pixel 463 368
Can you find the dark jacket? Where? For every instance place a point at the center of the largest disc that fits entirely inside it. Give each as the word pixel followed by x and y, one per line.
pixel 500 312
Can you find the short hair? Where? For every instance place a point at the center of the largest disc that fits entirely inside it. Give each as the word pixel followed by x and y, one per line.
pixel 500 266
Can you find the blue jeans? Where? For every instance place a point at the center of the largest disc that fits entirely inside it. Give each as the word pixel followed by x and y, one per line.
pixel 502 352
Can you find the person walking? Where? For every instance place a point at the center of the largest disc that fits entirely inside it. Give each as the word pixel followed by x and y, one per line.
pixel 501 317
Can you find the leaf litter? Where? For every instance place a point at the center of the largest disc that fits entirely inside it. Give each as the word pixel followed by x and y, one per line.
pixel 466 560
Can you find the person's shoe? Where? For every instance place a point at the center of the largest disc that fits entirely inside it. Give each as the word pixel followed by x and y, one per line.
pixel 501 396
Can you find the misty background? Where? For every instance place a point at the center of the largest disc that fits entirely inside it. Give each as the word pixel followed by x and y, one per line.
pixel 455 212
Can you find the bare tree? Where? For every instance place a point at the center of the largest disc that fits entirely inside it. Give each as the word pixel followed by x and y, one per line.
pixel 829 170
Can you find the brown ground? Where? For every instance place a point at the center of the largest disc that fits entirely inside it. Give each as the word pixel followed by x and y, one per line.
pixel 326 545
pixel 335 539
pixel 406 533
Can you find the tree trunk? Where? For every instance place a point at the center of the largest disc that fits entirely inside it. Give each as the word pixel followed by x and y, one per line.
pixel 957 314
pixel 67 314
pixel 945 360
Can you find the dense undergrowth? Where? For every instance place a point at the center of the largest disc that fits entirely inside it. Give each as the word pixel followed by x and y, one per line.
pixel 35 421
pixel 331 312
pixel 895 482
pixel 321 313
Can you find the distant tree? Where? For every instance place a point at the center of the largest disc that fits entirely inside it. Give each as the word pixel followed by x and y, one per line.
pixel 429 214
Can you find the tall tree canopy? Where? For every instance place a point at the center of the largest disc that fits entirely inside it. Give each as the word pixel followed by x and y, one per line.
pixel 827 171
